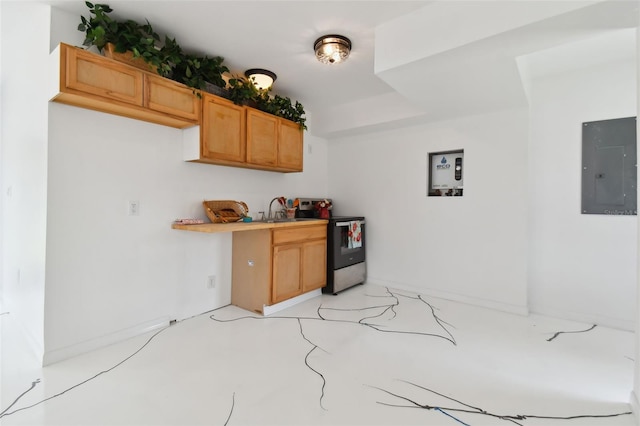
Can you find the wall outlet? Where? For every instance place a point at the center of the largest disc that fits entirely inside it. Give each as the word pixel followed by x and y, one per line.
pixel 134 208
pixel 211 282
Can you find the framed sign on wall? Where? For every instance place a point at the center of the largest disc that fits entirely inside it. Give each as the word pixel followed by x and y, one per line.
pixel 445 174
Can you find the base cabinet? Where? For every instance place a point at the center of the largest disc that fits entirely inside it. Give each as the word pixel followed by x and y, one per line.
pixel 287 282
pixel 314 265
pixel 274 265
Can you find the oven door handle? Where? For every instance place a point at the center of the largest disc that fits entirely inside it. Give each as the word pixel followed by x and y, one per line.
pixel 362 222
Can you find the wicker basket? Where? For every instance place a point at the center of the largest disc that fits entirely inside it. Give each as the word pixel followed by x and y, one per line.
pixel 225 211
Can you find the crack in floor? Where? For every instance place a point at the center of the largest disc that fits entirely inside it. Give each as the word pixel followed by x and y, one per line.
pixel 557 333
pixel 470 409
pixel 370 317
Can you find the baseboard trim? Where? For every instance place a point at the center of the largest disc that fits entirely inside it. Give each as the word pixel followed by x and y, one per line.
pixel 57 355
pixel 272 309
pixel 32 343
pixel 469 300
pixel 635 406
pixel 620 324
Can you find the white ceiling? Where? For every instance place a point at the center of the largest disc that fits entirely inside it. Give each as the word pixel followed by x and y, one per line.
pixel 481 71
pixel 413 60
pixel 276 35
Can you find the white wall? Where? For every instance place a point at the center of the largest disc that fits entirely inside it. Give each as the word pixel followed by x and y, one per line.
pixel 110 275
pixel 470 248
pixel 24 165
pixel 514 237
pixel 581 267
pixel 108 272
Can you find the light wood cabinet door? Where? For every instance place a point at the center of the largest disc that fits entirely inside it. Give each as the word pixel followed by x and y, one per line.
pixel 223 130
pixel 169 97
pixel 91 81
pixel 251 269
pixel 92 74
pixel 286 272
pixel 299 234
pixel 290 146
pixel 273 142
pixel 314 265
pixel 262 138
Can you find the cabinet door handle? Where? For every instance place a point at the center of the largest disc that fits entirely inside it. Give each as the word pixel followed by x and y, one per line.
pixel 362 222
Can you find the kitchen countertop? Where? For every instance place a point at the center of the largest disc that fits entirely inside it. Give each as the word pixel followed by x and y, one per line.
pixel 246 226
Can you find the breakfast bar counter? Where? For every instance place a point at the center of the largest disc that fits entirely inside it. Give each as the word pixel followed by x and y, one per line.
pixel 248 226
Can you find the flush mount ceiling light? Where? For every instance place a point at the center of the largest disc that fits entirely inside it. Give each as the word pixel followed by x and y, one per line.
pixel 332 48
pixel 262 79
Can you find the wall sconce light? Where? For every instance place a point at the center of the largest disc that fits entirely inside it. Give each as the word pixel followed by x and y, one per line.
pixel 262 79
pixel 332 48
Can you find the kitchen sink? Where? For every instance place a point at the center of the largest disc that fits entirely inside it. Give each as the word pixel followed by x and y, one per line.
pixel 281 220
pixel 274 220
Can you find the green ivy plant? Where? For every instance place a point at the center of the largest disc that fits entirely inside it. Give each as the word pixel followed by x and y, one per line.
pixel 242 91
pixel 170 56
pixel 99 29
pixel 195 71
pixel 144 42
pixel 129 35
pixel 285 108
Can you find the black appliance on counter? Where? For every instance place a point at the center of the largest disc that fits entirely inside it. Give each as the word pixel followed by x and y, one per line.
pixel 346 264
pixel 306 208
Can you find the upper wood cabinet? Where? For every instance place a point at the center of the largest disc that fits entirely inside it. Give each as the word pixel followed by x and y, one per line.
pixel 273 142
pixel 290 145
pixel 233 135
pixel 170 97
pixel 262 138
pixel 88 80
pixel 86 73
pixel 222 133
pixel 227 134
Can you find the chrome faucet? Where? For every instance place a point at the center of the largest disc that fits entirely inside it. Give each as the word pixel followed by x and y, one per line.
pixel 270 204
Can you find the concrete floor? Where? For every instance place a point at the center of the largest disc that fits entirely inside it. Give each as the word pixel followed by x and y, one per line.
pixel 369 356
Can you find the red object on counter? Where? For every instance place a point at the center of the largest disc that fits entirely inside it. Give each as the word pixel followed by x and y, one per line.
pixel 323 209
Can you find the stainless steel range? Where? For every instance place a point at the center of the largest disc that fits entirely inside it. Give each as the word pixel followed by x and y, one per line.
pixel 346 265
pixel 346 240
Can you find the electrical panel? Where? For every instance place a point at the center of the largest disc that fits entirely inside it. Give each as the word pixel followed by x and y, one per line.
pixel 609 169
pixel 445 174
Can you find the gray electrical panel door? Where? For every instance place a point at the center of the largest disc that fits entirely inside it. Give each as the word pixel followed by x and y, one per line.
pixel 609 171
